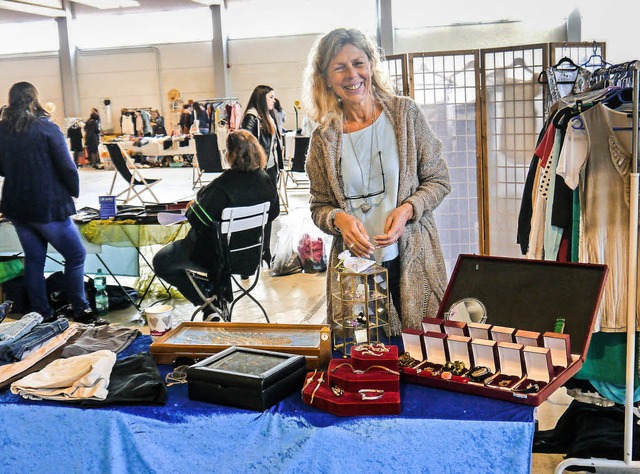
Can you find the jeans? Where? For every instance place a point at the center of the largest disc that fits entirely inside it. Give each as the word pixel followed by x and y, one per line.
pixel 20 328
pixel 393 275
pixel 65 238
pixel 12 351
pixel 170 264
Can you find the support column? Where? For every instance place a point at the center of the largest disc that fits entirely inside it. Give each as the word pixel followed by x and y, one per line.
pixel 385 26
pixel 574 26
pixel 219 42
pixel 68 72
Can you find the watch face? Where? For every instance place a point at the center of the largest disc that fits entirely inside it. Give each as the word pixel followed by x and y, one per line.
pixel 249 363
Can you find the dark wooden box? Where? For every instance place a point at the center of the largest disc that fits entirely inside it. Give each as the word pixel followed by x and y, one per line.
pixel 525 295
pixel 246 378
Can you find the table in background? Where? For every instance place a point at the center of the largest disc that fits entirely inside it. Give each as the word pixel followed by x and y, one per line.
pixel 437 431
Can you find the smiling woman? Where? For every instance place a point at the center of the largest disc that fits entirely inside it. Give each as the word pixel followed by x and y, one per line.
pixel 376 172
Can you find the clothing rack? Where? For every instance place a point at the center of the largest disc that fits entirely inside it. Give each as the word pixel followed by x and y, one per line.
pixel 217 99
pixel 632 67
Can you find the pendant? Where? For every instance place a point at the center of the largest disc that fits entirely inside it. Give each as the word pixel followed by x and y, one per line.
pixel 365 207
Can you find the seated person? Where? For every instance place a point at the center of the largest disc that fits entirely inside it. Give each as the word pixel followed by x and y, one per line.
pixel 244 184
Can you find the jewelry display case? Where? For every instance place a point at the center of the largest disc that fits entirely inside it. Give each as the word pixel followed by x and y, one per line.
pixel 358 385
pixel 198 340
pixel 360 303
pixel 246 378
pixel 510 352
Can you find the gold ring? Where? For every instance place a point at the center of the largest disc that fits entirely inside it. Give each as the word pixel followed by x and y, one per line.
pixel 352 244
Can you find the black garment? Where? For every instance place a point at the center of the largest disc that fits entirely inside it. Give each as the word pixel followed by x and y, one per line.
pixel 251 123
pixel 75 136
pixel 92 135
pixel 186 120
pixel 586 431
pixel 203 119
pixel 158 126
pixel 135 380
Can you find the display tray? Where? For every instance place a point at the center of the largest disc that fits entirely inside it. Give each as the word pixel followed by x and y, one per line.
pixel 529 295
pixel 246 378
pixel 199 340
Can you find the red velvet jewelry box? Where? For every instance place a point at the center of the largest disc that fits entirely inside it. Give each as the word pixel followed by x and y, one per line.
pixel 521 295
pixel 318 394
pixel 455 328
pixel 341 373
pixel 432 324
pixel 362 361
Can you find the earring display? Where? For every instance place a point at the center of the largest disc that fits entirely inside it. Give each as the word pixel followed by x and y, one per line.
pixel 360 305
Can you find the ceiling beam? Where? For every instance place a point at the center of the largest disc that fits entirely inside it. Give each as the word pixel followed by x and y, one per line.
pixel 32 9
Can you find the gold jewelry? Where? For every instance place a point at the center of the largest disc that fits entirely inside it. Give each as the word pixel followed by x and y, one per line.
pixel 377 394
pixel 313 394
pixel 310 379
pixel 177 376
pixel 360 372
pixel 352 244
pixel 369 352
pixel 337 391
pixel 405 360
pixel 504 383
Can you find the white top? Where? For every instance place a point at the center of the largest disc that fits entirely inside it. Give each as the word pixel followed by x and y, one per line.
pixel 362 173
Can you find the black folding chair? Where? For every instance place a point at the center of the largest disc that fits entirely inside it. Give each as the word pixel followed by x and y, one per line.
pixel 126 168
pixel 208 158
pixel 237 220
pixel 297 164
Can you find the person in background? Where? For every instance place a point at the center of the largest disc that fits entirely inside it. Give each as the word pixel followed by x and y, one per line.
pixel 74 133
pixel 92 139
pixel 211 114
pixel 186 119
pixel 376 172
pixel 244 184
pixel 157 123
pixel 202 117
pixel 41 182
pixel 260 120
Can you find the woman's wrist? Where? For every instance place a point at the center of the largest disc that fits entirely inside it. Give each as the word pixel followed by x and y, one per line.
pixel 408 210
pixel 334 213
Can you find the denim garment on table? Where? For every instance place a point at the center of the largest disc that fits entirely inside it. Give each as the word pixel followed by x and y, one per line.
pixel 12 351
pixel 21 327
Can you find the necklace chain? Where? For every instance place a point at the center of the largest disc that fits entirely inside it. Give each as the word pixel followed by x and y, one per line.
pixel 365 206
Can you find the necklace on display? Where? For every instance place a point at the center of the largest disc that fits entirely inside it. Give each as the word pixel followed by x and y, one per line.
pixel 365 206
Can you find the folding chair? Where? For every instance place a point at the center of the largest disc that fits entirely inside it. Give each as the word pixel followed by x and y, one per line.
pixel 126 168
pixel 208 158
pixel 237 220
pixel 301 147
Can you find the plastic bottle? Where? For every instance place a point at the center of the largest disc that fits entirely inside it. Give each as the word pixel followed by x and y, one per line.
pixel 102 299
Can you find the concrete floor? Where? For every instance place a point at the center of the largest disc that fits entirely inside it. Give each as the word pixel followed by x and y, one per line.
pixel 296 298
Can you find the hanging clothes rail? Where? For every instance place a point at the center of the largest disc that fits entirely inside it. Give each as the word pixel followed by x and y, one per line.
pixel 632 68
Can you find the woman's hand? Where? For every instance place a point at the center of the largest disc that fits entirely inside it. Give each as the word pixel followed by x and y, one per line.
pixel 394 225
pixel 354 235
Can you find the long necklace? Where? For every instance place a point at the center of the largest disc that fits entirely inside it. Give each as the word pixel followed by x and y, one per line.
pixel 365 206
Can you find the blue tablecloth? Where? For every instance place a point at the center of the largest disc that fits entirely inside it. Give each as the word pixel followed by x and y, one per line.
pixel 437 431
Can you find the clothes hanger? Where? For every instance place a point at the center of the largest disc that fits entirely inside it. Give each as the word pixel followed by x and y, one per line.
pixel 572 66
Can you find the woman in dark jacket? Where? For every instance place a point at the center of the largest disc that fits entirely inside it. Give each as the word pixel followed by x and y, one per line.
pixel 261 121
pixel 92 138
pixel 245 184
pixel 40 183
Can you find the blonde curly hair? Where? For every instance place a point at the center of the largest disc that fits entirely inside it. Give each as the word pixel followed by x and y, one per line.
pixel 320 103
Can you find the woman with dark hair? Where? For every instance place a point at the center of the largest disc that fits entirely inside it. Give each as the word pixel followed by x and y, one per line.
pixel 202 117
pixel 244 184
pixel 92 139
pixel 260 120
pixel 41 182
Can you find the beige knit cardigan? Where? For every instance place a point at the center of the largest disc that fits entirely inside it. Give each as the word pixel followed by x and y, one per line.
pixel 424 182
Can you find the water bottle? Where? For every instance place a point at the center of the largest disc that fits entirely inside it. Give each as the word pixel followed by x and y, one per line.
pixel 102 299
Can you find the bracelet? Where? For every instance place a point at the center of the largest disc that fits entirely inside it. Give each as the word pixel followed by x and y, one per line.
pixel 313 394
pixel 479 373
pixel 373 347
pixel 360 372
pixel 310 379
pixel 377 394
pixel 368 352
pixel 530 388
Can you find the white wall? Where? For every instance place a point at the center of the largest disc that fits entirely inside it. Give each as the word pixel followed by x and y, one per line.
pixel 278 62
pixel 619 29
pixel 41 70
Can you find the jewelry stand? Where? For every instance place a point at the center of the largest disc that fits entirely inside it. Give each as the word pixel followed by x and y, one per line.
pixel 360 307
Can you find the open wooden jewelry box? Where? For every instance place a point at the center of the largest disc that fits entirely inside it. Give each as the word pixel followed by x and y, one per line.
pixel 494 332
